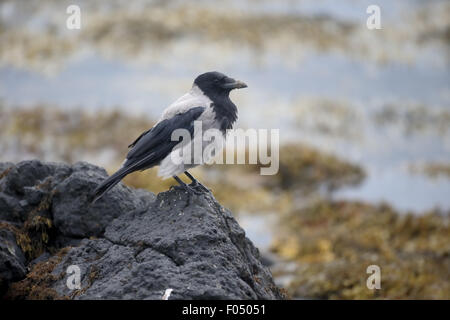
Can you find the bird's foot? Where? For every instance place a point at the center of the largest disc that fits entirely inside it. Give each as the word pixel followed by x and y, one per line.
pixel 198 186
pixel 190 189
pixel 194 188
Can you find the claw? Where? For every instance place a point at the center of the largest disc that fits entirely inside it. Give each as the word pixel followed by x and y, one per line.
pixel 198 186
pixel 193 189
pixel 190 189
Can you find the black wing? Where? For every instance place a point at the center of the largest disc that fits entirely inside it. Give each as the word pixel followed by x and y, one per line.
pixel 154 145
pixel 139 138
pixel 150 148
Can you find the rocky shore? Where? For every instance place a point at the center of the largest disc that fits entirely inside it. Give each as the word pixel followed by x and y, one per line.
pixel 130 244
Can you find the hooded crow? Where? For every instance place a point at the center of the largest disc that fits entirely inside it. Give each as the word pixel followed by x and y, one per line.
pixel 208 101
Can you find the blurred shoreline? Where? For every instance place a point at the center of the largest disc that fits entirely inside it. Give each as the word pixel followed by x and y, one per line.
pixel 364 119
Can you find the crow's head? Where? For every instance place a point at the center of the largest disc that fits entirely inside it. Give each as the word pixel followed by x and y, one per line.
pixel 216 83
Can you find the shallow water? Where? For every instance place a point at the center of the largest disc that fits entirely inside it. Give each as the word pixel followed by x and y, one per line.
pixel 326 90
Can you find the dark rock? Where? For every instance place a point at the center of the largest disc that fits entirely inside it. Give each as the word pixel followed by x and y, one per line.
pixel 20 186
pixel 129 244
pixel 43 257
pixel 62 191
pixel 5 166
pixel 33 195
pixel 47 202
pixel 10 208
pixel 73 214
pixel 12 260
pixel 186 243
pixel 31 173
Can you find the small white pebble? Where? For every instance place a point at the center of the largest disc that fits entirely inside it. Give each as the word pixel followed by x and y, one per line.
pixel 167 294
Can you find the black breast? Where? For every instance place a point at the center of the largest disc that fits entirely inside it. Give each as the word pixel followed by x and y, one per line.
pixel 226 112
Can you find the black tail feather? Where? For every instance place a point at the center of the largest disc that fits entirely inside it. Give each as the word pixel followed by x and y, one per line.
pixel 106 185
pixel 144 163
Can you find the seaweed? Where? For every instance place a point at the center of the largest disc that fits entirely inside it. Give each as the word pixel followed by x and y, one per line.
pixel 333 242
pixel 38 282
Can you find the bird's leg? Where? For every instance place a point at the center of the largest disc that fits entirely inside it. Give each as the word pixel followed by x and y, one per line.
pixel 186 187
pixel 196 183
pixel 180 182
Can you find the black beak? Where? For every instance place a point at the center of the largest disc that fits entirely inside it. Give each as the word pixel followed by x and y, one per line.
pixel 234 84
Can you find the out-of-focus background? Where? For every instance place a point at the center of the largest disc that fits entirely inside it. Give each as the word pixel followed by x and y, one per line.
pixel 364 119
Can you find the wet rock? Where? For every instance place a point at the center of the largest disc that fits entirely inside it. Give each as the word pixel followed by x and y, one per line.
pixel 46 204
pixel 62 192
pixel 31 173
pixel 187 243
pixel 73 214
pixel 12 260
pixel 33 195
pixel 129 244
pixel 10 208
pixel 43 257
pixel 5 166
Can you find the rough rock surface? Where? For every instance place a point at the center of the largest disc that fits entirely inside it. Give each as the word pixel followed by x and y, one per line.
pixel 128 245
pixel 12 260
